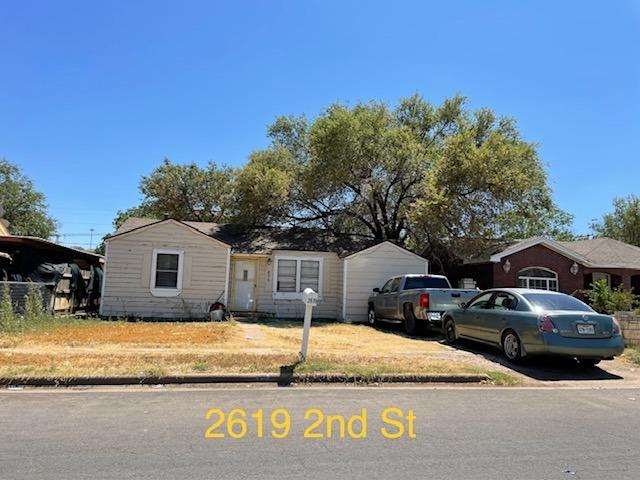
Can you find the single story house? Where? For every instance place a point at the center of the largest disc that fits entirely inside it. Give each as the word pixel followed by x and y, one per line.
pixel 544 263
pixel 174 269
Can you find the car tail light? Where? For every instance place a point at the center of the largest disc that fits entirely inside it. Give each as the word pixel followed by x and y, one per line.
pixel 615 327
pixel 545 324
pixel 424 300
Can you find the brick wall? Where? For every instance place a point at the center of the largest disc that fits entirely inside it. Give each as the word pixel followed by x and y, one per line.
pixel 539 256
pixel 630 323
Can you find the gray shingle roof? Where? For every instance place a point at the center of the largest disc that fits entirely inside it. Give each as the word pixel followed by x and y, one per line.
pixel 263 240
pixel 606 251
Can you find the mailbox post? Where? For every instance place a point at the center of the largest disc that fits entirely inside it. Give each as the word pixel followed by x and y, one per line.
pixel 310 300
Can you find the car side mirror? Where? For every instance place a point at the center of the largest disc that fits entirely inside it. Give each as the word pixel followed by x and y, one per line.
pixel 463 305
pixel 377 290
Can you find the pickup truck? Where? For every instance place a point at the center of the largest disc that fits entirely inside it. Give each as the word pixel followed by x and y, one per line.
pixel 416 301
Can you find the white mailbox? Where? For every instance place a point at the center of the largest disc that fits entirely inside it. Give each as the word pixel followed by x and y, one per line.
pixel 309 297
pixel 310 300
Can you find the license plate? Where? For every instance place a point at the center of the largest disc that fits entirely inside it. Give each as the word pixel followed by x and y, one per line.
pixel 586 329
pixel 434 316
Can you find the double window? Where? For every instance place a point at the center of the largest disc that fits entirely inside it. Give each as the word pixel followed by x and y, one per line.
pixel 166 272
pixel 292 275
pixel 538 278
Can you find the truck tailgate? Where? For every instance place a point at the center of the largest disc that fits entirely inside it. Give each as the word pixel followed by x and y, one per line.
pixel 448 299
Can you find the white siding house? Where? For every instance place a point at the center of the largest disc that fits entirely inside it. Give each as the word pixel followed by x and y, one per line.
pixel 173 269
pixel 136 285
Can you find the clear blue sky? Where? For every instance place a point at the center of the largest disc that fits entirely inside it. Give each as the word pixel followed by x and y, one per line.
pixel 93 95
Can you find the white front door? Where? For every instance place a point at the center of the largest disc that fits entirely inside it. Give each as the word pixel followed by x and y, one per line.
pixel 244 284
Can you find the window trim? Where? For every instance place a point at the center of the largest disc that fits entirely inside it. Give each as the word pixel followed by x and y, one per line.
pixel 297 295
pixel 546 279
pixel 164 291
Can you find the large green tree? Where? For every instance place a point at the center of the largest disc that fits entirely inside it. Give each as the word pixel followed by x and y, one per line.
pixel 623 223
pixel 410 173
pixel 23 207
pixel 186 192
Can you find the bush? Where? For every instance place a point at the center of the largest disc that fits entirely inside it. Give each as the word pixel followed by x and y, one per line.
pixel 33 315
pixel 8 318
pixel 33 305
pixel 603 299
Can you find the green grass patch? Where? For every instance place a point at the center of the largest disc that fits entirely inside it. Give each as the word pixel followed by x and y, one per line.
pixel 200 367
pixel 502 379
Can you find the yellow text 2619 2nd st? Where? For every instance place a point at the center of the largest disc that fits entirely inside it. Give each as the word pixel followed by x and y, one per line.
pixel 394 423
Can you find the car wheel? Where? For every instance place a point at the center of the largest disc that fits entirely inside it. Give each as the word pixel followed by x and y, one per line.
pixel 410 324
pixel 371 317
pixel 450 331
pixel 589 362
pixel 511 346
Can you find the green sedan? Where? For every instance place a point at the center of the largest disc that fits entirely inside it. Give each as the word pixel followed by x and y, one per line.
pixel 535 322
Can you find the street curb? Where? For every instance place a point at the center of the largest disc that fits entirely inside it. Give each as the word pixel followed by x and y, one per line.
pixel 281 379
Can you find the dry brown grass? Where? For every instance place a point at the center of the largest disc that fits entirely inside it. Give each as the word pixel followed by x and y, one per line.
pixel 97 348
pixel 92 333
pixel 341 338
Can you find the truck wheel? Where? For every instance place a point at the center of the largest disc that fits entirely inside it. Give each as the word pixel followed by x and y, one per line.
pixel 410 324
pixel 371 316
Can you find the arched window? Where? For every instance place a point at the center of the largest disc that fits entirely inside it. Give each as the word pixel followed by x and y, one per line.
pixel 539 278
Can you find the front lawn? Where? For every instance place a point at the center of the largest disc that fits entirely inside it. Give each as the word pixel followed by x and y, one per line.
pixel 63 348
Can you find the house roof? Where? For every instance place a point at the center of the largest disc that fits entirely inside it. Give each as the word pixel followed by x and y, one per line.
pixel 263 240
pixel 13 242
pixel 602 252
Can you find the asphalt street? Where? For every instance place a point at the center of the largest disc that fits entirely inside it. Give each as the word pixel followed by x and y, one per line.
pixel 461 433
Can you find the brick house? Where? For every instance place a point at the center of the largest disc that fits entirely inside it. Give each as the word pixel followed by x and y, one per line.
pixel 544 263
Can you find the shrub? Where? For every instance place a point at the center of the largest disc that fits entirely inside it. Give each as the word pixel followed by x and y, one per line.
pixel 33 305
pixel 7 316
pixel 603 299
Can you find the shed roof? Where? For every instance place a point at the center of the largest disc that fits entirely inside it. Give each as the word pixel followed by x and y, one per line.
pixel 263 240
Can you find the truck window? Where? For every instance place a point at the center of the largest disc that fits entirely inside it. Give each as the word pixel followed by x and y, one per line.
pixel 412 283
pixel 387 286
pixel 394 285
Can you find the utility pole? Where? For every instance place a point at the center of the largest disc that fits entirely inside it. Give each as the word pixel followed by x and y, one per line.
pixel 91 238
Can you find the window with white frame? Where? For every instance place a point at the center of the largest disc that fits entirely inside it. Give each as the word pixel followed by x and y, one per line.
pixel 166 272
pixel 294 274
pixel 538 278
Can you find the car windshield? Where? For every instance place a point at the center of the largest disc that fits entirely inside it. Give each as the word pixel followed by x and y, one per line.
pixel 550 301
pixel 411 283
